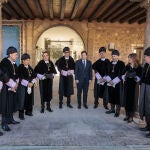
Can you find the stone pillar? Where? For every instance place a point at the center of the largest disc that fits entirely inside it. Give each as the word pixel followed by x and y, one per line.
pixel 29 42
pixel 1 2
pixel 146 5
pixel 90 42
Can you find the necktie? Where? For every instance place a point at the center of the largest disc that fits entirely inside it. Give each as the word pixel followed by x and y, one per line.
pixel 84 63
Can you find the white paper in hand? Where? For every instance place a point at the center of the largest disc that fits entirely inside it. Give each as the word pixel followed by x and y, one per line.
pixel 29 91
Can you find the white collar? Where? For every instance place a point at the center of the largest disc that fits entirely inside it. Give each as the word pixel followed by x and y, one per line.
pixel 26 66
pixel 114 62
pixel 46 61
pixel 103 59
pixel 66 57
pixel 13 62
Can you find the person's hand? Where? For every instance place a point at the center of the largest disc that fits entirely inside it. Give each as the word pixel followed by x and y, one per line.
pixel 68 73
pixel 15 87
pixel 77 81
pixel 30 84
pixel 90 81
pixel 111 82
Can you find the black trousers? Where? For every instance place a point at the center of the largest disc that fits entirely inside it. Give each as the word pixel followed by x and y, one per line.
pixel 82 86
pixel 147 119
pixel 6 118
pixel 61 100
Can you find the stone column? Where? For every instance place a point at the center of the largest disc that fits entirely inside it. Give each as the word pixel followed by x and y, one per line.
pixel 1 2
pixel 146 5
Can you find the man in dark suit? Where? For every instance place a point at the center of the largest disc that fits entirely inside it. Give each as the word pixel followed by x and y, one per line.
pixel 83 76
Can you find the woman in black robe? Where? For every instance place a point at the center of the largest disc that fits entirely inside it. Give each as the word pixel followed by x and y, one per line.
pixel 10 105
pixel 132 74
pixel 66 66
pixel 45 71
pixel 100 86
pixel 26 87
pixel 114 82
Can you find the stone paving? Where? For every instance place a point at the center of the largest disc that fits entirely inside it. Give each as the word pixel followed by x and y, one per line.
pixel 73 129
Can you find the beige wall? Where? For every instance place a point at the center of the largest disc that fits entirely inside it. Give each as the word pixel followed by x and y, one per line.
pixel 94 35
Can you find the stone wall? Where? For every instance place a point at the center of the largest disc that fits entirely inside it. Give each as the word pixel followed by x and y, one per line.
pixel 94 35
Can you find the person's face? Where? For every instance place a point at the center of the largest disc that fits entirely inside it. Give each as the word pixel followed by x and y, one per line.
pixel 84 56
pixel 67 54
pixel 130 60
pixel 45 57
pixel 115 57
pixel 26 62
pixel 13 56
pixel 102 54
pixel 147 59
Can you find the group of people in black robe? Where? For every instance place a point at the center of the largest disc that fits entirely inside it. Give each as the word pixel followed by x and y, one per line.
pixel 116 83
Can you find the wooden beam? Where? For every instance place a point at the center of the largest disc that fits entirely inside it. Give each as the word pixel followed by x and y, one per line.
pixel 142 20
pixel 15 5
pixel 89 4
pixel 62 9
pixel 10 10
pixel 125 13
pixel 5 14
pixel 98 8
pixel 39 8
pixel 112 9
pixel 75 9
pixel 25 6
pixel 50 7
pixel 118 12
pixel 137 18
pixel 133 15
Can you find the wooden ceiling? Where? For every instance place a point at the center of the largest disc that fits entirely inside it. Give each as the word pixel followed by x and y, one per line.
pixel 90 10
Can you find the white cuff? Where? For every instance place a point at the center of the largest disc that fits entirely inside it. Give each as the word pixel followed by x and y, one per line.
pixel 72 72
pixel 17 80
pixel 40 76
pixel 123 77
pixel 116 80
pixel 33 81
pixel 137 79
pixel 1 85
pixel 24 82
pixel 64 73
pixel 108 78
pixel 98 76
pixel 11 83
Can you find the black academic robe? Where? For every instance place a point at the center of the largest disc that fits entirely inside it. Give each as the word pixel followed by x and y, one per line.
pixel 26 101
pixel 116 93
pixel 66 82
pixel 4 79
pixel 131 87
pixel 45 85
pixel 11 103
pixel 100 67
pixel 144 102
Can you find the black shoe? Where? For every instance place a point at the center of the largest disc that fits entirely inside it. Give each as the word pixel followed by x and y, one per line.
pixel 28 113
pixel 13 122
pixel 116 115
pixel 79 106
pixel 106 107
pixel 21 116
pixel 147 135
pixel 49 109
pixel 85 106
pixel 60 106
pixel 110 111
pixel 1 133
pixel 5 127
pixel 69 105
pixel 126 118
pixel 130 120
pixel 42 110
pixel 144 129
pixel 95 106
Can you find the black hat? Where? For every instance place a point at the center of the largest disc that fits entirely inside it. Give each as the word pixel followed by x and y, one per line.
pixel 11 50
pixel 25 56
pixel 102 49
pixel 147 51
pixel 66 49
pixel 115 52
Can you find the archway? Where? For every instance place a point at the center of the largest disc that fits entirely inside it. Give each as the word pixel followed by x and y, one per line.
pixel 55 38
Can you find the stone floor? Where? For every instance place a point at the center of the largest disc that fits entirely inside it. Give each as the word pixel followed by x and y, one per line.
pixel 73 129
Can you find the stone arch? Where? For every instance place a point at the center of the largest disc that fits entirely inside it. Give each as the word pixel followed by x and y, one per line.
pixel 38 30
